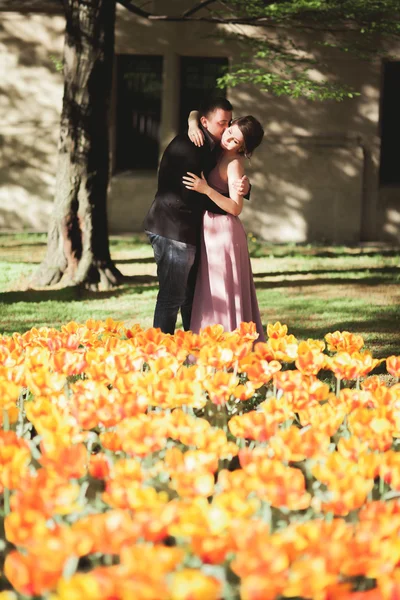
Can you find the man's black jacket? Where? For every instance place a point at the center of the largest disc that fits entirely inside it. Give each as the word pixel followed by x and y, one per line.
pixel 176 212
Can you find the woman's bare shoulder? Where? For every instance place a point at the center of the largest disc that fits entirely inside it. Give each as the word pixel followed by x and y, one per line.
pixel 236 165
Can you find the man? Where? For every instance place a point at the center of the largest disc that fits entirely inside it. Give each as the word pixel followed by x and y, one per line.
pixel 173 223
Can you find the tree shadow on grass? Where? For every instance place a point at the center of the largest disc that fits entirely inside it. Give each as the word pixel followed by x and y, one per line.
pixel 300 252
pixel 143 279
pixel 137 284
pixel 9 247
pixel 299 283
pixel 59 295
pixel 134 284
pixel 133 261
pixel 384 325
pixel 375 270
pixel 378 328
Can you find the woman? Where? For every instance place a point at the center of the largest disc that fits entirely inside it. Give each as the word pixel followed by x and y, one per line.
pixel 225 291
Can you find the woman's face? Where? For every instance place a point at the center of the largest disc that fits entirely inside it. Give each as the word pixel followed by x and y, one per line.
pixel 232 139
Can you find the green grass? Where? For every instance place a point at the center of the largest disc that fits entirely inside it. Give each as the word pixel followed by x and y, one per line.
pixel 313 289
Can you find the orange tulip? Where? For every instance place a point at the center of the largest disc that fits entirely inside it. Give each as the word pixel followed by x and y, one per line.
pixel 23 527
pixel 256 557
pixel 106 533
pixel 9 394
pixel 8 596
pixel 253 426
pixel 220 387
pixel 261 372
pixel 80 585
pixel 372 383
pixel 192 484
pixel 389 469
pixel 143 434
pixel 69 462
pixel 192 460
pixel 212 549
pixel 224 355
pixel 15 457
pixel 393 365
pixel 366 362
pixel 68 362
pixel 309 359
pixel 342 365
pixel 192 584
pixel 245 391
pixel 110 440
pixel 99 466
pixel 283 348
pixel 325 418
pixel 276 330
pixel 182 426
pixel 275 409
pixel 260 586
pixel 294 444
pixel 389 585
pixel 31 575
pixel 344 341
pixel 163 559
pixel 44 492
pixel 353 399
pixel 376 427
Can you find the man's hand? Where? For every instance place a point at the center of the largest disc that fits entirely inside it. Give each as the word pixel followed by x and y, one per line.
pixel 242 186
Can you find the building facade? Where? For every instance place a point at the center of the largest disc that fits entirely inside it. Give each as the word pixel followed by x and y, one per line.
pixel 325 172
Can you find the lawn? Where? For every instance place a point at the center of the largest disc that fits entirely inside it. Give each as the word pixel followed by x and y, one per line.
pixel 313 289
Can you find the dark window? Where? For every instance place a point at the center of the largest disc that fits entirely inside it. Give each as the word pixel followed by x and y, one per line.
pixel 139 86
pixel 199 76
pixel 390 124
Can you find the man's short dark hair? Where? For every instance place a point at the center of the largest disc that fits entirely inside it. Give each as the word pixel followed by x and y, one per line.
pixel 210 104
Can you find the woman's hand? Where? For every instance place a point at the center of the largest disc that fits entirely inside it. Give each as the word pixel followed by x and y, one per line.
pixel 197 184
pixel 195 134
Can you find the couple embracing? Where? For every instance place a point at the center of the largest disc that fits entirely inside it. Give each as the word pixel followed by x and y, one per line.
pixel 199 244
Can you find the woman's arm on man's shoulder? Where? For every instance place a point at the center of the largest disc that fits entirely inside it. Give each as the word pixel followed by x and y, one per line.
pixel 194 132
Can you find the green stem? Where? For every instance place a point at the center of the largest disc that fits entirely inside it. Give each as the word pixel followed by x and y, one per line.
pixel 329 517
pixel 6 499
pixel 381 485
pixel 21 418
pixel 6 493
pixel 6 420
pixel 337 387
pixel 82 492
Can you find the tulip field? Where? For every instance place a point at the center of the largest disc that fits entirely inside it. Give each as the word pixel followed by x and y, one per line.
pixel 136 465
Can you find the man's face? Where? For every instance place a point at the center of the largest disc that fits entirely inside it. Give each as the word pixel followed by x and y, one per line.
pixel 216 122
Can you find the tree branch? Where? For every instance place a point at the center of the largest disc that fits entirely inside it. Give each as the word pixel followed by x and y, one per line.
pixel 135 9
pixel 197 7
pixel 347 26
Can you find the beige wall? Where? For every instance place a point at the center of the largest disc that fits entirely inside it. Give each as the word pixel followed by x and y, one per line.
pixel 30 104
pixel 314 178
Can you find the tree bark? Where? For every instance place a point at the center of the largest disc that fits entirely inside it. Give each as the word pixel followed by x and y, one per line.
pixel 78 247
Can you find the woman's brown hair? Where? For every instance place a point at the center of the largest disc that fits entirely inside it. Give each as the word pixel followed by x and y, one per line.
pixel 252 131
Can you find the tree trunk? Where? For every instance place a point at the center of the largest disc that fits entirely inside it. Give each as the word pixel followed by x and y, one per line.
pixel 78 247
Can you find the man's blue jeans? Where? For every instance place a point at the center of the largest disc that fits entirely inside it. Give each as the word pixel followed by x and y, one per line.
pixel 176 277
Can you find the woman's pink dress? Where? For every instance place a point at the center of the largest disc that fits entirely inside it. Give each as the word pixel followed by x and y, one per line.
pixel 225 293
